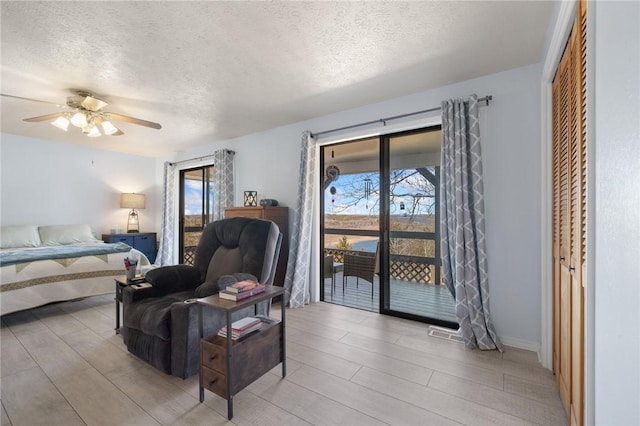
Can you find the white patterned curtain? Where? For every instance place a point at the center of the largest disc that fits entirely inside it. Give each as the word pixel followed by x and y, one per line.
pixel 464 257
pixel 167 225
pixel 223 178
pixel 296 281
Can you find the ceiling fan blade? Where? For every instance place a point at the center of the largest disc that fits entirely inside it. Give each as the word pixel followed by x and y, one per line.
pixel 132 120
pixel 93 104
pixel 118 133
pixel 32 100
pixel 44 117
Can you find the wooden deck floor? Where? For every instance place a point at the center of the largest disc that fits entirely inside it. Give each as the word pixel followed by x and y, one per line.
pixel 427 300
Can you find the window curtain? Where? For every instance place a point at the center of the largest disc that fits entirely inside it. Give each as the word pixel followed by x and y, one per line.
pixel 296 281
pixel 223 178
pixel 167 225
pixel 464 257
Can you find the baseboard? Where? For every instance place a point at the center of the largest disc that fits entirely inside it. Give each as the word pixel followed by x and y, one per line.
pixel 527 345
pixel 451 334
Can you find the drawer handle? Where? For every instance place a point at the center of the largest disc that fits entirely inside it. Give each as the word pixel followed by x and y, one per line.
pixel 213 357
pixel 211 382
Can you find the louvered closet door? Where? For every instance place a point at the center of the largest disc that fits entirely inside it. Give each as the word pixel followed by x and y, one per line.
pixel 569 219
pixel 562 301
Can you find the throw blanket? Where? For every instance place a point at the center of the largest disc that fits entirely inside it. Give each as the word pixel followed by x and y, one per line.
pixel 60 252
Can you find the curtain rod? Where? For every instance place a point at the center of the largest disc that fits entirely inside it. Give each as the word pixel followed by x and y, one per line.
pixel 395 117
pixel 200 158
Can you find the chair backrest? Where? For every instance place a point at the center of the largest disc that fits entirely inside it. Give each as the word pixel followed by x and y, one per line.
pixel 328 266
pixel 363 265
pixel 238 244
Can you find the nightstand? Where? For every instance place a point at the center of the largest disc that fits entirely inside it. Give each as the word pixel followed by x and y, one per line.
pixel 143 241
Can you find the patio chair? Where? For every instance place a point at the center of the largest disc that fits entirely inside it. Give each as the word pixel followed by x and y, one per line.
pixel 360 266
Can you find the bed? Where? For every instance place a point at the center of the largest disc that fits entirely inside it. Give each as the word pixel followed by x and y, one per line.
pixel 44 264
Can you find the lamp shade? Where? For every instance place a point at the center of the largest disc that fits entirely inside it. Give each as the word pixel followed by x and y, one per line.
pixel 132 201
pixel 109 129
pixel 61 123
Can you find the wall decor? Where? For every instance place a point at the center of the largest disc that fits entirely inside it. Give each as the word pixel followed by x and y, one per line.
pixel 250 198
pixel 333 173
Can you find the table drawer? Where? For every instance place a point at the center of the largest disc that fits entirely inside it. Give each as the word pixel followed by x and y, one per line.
pixel 213 356
pixel 214 381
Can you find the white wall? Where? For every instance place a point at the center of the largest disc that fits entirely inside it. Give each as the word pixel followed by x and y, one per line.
pixel 50 183
pixel 268 162
pixel 616 186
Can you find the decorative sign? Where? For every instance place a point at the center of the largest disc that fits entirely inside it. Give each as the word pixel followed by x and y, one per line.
pixel 250 198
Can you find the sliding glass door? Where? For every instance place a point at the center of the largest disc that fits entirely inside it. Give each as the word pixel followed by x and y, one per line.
pixel 351 223
pixel 413 287
pixel 380 205
pixel 196 209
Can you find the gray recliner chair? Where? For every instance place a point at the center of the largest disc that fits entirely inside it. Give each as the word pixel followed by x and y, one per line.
pixel 160 328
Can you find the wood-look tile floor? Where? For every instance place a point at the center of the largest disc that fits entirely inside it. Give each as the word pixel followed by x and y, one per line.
pixel 62 364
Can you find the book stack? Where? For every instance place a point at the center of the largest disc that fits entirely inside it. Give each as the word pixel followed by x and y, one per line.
pixel 242 327
pixel 241 290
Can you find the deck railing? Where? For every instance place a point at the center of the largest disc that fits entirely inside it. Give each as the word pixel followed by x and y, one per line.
pixel 406 268
pixel 189 254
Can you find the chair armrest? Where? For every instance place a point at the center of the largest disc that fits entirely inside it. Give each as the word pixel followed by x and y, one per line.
pixel 170 279
pixel 132 294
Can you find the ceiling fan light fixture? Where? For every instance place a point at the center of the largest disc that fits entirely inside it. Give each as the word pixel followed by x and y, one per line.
pixel 94 132
pixel 108 128
pixel 61 123
pixel 79 119
pixel 86 112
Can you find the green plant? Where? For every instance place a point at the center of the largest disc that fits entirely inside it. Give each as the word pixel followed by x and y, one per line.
pixel 344 244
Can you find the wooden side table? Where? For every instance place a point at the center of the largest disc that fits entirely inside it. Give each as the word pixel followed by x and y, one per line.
pixel 121 283
pixel 227 366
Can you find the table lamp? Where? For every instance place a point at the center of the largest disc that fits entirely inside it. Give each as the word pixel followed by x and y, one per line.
pixel 132 201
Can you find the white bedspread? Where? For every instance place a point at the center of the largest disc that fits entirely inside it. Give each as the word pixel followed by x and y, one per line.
pixel 30 284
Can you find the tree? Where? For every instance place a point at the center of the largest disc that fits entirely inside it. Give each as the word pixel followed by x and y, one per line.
pixel 344 244
pixel 412 192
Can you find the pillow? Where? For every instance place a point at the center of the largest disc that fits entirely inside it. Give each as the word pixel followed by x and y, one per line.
pixel 208 288
pixel 19 236
pixel 56 235
pixel 223 262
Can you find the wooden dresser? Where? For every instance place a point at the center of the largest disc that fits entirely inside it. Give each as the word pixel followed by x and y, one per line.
pixel 143 241
pixel 280 216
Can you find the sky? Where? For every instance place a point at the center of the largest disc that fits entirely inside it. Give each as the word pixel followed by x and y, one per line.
pixel 193 197
pixel 349 188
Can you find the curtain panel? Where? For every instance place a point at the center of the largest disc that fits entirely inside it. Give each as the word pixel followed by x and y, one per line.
pixel 296 281
pixel 167 224
pixel 463 246
pixel 223 178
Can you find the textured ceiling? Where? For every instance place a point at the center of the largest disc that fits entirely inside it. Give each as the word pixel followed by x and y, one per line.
pixel 210 71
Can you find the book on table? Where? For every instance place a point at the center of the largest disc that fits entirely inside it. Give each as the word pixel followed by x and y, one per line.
pixel 225 294
pixel 241 286
pixel 242 327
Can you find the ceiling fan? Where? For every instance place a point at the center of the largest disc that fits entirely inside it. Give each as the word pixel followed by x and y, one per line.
pixel 85 111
